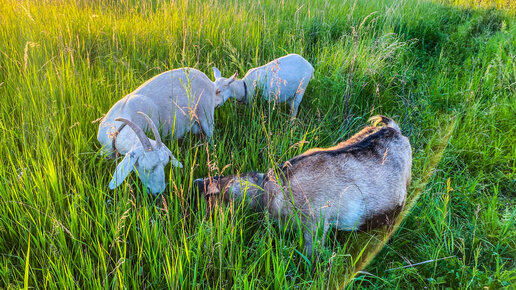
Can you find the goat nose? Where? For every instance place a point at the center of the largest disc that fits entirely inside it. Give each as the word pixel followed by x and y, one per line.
pixel 157 188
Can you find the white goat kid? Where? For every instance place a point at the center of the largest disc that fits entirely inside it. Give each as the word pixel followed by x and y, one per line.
pixel 181 100
pixel 282 80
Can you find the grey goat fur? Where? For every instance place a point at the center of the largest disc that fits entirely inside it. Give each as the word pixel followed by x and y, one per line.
pixel 180 100
pixel 245 187
pixel 360 183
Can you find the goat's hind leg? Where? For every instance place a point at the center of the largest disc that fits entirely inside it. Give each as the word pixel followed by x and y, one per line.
pixel 296 100
pixel 310 236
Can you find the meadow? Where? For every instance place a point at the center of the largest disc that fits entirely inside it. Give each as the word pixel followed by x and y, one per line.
pixel 445 72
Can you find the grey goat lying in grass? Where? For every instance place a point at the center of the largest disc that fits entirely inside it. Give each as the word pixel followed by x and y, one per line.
pixel 282 80
pixel 360 183
pixel 181 100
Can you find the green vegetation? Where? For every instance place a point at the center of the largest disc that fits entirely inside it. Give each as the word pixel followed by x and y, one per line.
pixel 441 71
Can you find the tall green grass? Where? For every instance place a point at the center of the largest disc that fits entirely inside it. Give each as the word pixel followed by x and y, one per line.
pixel 64 63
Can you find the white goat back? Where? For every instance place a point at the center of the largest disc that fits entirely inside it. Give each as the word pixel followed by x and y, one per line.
pixel 281 78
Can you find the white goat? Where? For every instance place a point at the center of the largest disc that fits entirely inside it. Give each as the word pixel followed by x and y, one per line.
pixel 282 80
pixel 360 183
pixel 181 100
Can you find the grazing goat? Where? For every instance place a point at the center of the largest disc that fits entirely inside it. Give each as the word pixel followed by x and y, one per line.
pixel 181 100
pixel 282 80
pixel 360 183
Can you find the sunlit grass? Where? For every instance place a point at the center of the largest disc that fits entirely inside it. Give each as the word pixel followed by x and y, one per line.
pixel 431 67
pixel 489 4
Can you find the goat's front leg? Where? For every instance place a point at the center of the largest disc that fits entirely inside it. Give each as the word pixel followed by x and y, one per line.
pixel 325 231
pixel 207 127
pixel 308 235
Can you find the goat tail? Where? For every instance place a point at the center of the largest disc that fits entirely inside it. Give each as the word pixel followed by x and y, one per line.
pixel 387 121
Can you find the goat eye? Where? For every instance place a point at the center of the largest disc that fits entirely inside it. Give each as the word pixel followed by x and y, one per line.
pixel 217 92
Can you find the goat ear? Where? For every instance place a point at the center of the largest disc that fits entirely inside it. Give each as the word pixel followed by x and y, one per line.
pixel 123 169
pixel 216 73
pixel 233 78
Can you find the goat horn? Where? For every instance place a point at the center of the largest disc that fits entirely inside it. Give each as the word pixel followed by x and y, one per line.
pixel 154 129
pixel 139 132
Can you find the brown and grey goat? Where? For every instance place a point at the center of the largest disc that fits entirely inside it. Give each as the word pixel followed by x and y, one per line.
pixel 360 183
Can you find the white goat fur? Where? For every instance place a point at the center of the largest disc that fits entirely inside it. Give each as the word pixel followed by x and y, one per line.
pixel 181 100
pixel 282 80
